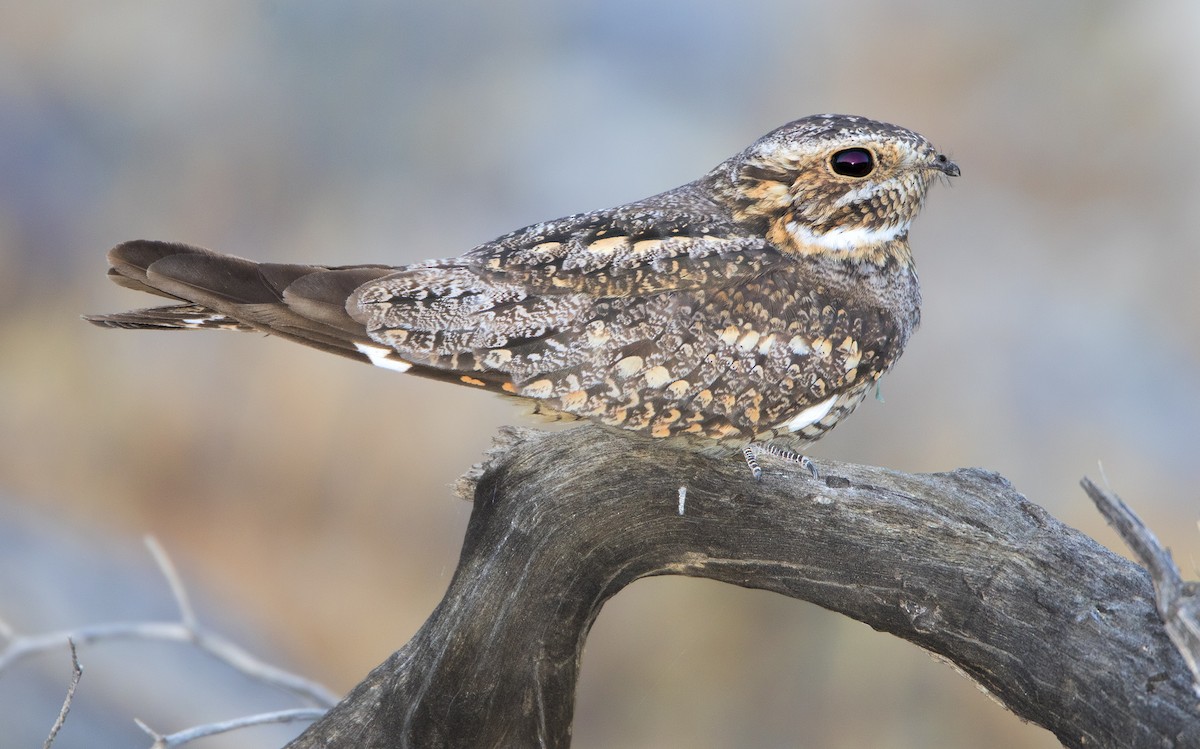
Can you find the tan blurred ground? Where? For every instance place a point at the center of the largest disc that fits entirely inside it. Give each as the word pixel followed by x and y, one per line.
pixel 1060 276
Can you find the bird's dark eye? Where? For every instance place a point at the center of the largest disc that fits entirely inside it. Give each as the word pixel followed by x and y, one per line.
pixel 853 162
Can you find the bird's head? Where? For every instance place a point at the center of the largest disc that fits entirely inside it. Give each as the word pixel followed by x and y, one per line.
pixel 833 184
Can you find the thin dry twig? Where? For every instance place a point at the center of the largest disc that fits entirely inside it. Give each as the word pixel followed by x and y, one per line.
pixel 179 738
pixel 186 630
pixel 76 673
pixel 186 613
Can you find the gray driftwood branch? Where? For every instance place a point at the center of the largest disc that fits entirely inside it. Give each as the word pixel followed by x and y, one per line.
pixel 1178 602
pixel 1056 627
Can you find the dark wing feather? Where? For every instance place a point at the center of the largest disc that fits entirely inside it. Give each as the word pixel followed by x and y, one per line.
pixel 172 317
pixel 223 291
pixel 303 303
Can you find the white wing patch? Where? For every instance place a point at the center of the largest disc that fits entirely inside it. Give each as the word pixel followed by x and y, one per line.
pixel 810 415
pixel 382 357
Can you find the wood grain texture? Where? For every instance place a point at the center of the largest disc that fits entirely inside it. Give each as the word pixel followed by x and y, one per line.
pixel 1059 629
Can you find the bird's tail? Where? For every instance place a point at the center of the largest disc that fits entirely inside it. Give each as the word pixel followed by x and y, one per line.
pixel 171 317
pixel 305 303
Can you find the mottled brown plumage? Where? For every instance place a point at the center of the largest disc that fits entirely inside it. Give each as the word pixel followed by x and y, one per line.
pixel 756 304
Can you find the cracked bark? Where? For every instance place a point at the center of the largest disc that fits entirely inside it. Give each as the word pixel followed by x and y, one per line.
pixel 1059 629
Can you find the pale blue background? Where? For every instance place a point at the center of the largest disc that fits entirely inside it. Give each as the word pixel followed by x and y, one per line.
pixel 306 498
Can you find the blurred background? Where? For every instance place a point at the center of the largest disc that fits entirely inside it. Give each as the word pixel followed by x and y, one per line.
pixel 306 499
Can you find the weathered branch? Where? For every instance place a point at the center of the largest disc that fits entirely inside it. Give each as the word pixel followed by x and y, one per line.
pixel 1178 602
pixel 1056 627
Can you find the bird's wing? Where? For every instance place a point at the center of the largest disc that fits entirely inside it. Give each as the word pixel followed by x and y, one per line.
pixel 665 329
pixel 553 291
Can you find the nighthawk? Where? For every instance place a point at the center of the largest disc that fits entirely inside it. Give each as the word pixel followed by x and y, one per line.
pixel 752 308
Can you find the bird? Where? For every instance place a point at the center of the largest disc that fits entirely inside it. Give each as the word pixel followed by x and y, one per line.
pixel 749 311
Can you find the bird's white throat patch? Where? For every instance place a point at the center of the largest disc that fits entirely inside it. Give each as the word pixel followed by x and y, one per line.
pixel 841 239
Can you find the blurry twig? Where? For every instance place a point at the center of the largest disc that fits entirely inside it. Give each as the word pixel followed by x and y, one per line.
pixel 1177 602
pixel 187 615
pixel 187 630
pixel 76 673
pixel 179 738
